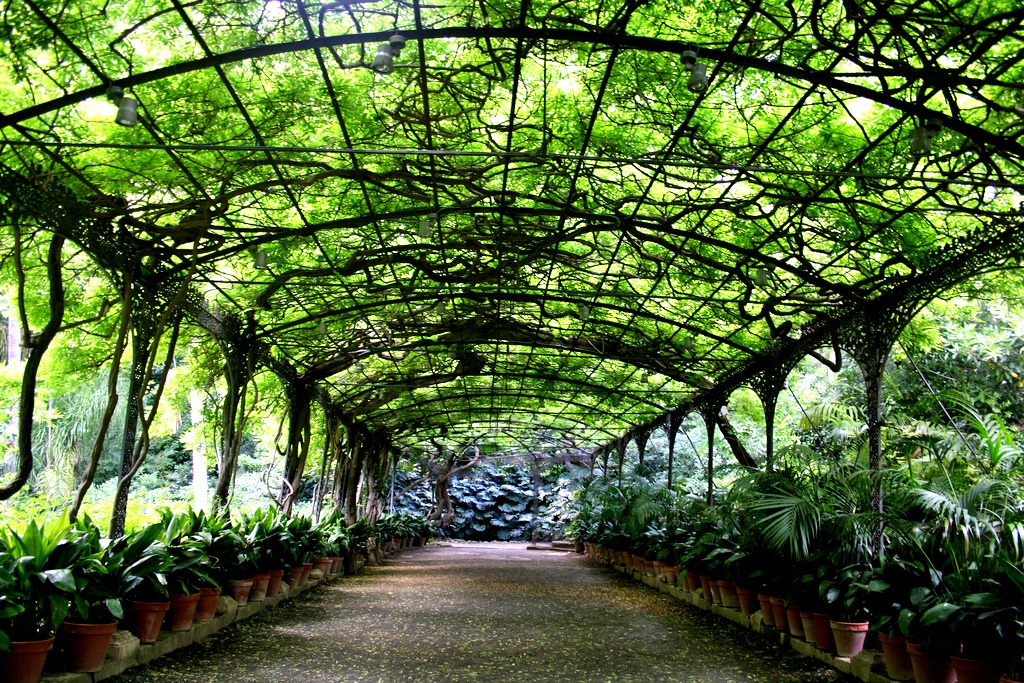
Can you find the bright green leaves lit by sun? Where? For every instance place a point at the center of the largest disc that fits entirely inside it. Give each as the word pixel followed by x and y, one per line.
pixel 532 225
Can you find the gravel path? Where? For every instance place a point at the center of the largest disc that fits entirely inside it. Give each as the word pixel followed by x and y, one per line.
pixel 483 613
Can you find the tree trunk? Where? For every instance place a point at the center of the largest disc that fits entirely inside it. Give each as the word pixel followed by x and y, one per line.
pixel 39 345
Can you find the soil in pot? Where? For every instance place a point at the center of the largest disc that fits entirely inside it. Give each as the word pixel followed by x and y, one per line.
pixel 85 646
pixel 748 600
pixel 24 662
pixel 206 607
pixel 767 615
pixel 976 670
pixel 897 661
pixel 145 619
pixel 930 667
pixel 239 590
pixel 849 637
pixel 182 611
pixel 258 592
pixel 823 638
pixel 796 625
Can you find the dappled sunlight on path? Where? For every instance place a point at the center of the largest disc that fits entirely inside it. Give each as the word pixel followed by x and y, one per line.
pixel 482 613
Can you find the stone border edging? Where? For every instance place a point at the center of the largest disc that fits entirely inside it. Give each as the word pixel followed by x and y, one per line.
pixel 864 666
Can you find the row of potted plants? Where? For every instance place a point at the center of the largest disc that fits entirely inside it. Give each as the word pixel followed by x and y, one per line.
pixel 65 580
pixel 936 571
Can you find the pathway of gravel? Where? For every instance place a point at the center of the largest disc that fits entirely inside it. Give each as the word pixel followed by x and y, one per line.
pixel 484 613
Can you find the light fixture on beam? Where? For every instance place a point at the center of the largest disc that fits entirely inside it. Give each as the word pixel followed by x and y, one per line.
pixel 427 226
pixel 384 60
pixel 439 308
pixel 698 81
pixel 322 328
pixel 584 312
pixel 127 107
pixel 397 43
pixel 921 137
pixel 261 260
pixel 358 367
pixel 760 277
pixel 645 378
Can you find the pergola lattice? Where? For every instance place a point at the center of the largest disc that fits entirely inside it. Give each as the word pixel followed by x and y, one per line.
pixel 532 226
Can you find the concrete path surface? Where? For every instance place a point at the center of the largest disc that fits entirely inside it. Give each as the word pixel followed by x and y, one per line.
pixel 484 613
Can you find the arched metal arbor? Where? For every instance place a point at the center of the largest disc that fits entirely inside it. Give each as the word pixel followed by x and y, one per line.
pixel 489 220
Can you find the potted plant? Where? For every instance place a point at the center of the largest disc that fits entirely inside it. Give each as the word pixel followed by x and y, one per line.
pixel 137 566
pixel 189 568
pixel 86 632
pixel 34 596
pixel 264 534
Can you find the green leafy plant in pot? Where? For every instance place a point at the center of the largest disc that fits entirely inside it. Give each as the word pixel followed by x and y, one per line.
pixel 36 588
pixel 36 592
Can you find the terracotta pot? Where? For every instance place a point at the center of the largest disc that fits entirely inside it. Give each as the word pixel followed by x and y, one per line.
pixel 422 541
pixel 183 609
pixel 649 568
pixel 145 619
pixel 779 613
pixel 206 608
pixel 796 625
pixel 295 576
pixel 730 597
pixel 672 576
pixel 335 565
pixel 239 590
pixel 976 670
pixel 716 592
pixel 307 567
pixel 274 582
pixel 849 637
pixel 807 621
pixel 897 661
pixel 747 599
pixel 692 582
pixel 930 667
pixel 85 645
pixel 824 640
pixel 767 615
pixel 705 587
pixel 23 663
pixel 323 564
pixel 260 582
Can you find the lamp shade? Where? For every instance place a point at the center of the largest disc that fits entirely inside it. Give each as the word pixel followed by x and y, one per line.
pixel 698 81
pixel 383 61
pixel 127 112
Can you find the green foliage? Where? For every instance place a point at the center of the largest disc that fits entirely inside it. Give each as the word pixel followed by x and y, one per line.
pixel 36 581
